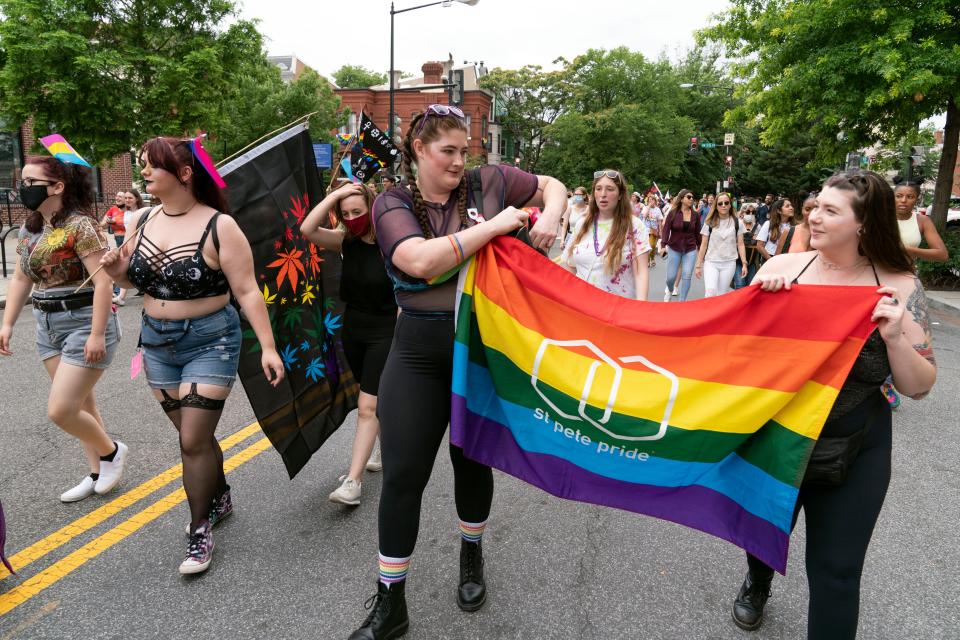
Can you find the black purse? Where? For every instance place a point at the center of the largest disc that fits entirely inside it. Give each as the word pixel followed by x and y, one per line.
pixel 832 458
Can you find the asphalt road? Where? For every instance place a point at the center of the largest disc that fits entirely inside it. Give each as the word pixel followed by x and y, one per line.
pixel 291 565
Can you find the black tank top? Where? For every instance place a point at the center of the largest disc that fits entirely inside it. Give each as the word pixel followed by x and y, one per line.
pixel 364 283
pixel 869 370
pixel 180 272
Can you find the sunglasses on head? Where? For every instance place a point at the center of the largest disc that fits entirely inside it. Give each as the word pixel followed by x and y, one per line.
pixel 608 173
pixel 440 111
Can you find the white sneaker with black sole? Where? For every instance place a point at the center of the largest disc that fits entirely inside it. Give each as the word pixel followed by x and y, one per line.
pixel 79 492
pixel 666 295
pixel 111 472
pixel 347 493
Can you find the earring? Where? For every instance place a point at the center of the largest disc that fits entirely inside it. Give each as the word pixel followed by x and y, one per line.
pixel 860 231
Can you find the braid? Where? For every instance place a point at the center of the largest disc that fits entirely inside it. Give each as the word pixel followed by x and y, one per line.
pixel 419 209
pixel 462 200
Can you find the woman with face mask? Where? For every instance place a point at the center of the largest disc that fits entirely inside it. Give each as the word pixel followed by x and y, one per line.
pixel 573 215
pixel 752 255
pixel 77 332
pixel 369 319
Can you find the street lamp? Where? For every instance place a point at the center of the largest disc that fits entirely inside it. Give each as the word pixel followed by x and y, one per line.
pixel 393 12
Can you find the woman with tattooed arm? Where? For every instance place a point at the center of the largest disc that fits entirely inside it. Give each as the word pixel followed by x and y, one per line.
pixel 855 242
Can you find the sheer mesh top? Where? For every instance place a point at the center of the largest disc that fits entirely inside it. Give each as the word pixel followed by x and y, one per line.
pixel 395 222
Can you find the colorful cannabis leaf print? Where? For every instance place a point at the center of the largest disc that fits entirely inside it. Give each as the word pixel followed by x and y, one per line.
pixel 332 323
pixel 307 296
pixel 291 317
pixel 289 356
pixel 290 267
pixel 314 260
pixel 300 207
pixel 315 369
pixel 268 297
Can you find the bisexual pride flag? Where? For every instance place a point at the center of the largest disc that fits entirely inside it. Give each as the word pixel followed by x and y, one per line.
pixel 702 413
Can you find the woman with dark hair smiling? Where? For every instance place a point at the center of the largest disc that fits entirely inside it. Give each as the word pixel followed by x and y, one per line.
pixel 77 332
pixel 190 332
pixel 855 242
pixel 680 240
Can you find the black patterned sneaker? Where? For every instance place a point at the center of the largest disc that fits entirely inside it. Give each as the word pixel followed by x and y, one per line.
pixel 199 551
pixel 222 507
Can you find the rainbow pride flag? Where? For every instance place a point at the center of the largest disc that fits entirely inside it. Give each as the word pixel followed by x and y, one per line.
pixel 703 413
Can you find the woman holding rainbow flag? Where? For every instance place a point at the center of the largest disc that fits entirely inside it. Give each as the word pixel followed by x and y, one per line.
pixel 426 233
pixel 855 242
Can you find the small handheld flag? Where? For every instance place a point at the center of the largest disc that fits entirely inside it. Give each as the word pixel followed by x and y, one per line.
pixel 347 169
pixel 62 150
pixel 344 138
pixel 207 162
pixel 373 152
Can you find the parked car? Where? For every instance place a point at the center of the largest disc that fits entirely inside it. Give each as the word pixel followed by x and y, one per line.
pixel 953 213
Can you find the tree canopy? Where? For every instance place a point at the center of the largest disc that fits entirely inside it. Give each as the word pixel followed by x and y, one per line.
pixel 846 73
pixel 110 74
pixel 351 76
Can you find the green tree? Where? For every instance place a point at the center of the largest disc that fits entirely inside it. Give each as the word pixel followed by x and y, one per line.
pixel 351 76
pixel 847 73
pixel 262 102
pixel 528 101
pixel 621 113
pixel 112 73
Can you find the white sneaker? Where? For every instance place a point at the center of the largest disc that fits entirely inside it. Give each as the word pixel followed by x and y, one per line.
pixel 79 492
pixel 347 493
pixel 375 463
pixel 111 472
pixel 666 295
pixel 675 293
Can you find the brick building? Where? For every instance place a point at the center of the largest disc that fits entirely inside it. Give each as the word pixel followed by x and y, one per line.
pixel 484 139
pixel 15 145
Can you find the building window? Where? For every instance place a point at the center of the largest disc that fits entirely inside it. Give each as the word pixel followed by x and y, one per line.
pixel 502 146
pixel 11 157
pixel 352 124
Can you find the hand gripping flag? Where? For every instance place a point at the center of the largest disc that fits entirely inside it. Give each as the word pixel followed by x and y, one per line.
pixel 372 152
pixel 679 411
pixel 271 189
pixel 62 150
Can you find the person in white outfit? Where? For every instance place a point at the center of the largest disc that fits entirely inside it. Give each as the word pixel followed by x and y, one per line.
pixel 722 244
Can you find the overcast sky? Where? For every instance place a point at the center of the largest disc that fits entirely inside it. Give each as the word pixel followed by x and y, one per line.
pixel 502 33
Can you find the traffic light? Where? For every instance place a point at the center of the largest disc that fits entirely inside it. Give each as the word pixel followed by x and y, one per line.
pixel 694 145
pixel 455 92
pixel 397 136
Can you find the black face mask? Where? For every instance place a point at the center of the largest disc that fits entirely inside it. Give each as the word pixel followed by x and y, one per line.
pixel 33 197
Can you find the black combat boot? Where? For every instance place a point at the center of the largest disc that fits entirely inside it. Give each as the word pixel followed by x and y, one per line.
pixel 388 614
pixel 748 607
pixel 472 592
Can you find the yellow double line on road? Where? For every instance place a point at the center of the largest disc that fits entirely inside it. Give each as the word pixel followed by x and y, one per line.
pixel 51 575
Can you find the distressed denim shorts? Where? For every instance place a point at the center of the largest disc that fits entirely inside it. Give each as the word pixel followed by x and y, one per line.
pixel 65 333
pixel 205 350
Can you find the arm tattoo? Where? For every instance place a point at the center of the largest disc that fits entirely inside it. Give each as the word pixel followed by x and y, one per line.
pixel 917 306
pixel 925 350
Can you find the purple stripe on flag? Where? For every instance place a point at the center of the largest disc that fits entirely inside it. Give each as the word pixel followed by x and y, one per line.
pixel 3 540
pixel 491 443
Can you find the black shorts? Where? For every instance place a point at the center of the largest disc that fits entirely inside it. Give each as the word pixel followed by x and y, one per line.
pixel 366 343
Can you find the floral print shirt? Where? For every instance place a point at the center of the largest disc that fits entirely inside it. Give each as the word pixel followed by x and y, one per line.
pixel 591 267
pixel 53 256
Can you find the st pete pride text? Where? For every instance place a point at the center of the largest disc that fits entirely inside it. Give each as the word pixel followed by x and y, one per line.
pixel 584 439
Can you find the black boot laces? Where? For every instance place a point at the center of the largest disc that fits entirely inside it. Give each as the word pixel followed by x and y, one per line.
pixel 758 593
pixel 380 609
pixel 471 563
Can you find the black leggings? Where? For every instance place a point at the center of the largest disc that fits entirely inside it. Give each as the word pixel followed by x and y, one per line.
pixel 414 410
pixel 840 522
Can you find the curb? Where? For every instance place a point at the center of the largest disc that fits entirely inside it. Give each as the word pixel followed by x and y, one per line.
pixel 943 306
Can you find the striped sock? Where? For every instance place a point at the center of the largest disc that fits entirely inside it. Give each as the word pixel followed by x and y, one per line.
pixel 472 531
pixel 393 569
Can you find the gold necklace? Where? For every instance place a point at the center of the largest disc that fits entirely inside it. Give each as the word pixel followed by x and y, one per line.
pixel 841 284
pixel 829 266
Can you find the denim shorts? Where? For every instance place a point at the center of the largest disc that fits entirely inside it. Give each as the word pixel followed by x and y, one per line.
pixel 205 350
pixel 65 333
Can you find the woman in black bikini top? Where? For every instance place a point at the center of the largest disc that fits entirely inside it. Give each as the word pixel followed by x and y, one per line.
pixel 190 334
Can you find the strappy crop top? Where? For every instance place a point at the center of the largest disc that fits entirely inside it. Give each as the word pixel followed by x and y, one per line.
pixel 180 272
